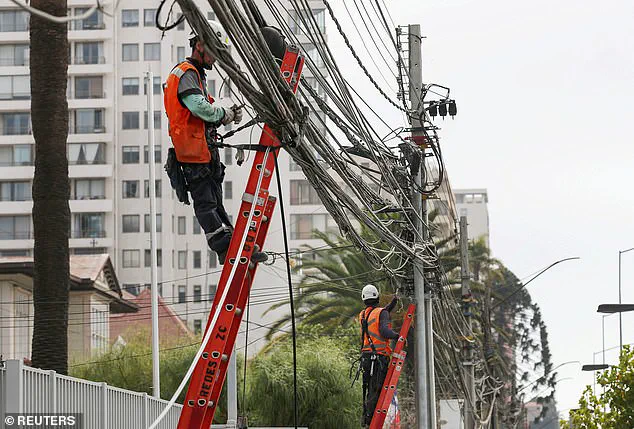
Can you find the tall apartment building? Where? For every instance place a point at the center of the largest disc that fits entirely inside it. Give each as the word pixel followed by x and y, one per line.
pixel 108 157
pixel 473 203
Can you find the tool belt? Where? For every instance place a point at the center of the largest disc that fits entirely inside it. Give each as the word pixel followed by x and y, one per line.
pixel 177 177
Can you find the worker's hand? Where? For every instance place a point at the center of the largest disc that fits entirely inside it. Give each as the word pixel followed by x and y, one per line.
pixel 232 114
pixel 237 110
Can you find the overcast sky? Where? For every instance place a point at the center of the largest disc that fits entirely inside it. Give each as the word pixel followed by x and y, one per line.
pixel 544 90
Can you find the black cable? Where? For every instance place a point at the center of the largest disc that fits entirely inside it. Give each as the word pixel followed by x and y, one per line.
pixel 166 27
pixel 290 285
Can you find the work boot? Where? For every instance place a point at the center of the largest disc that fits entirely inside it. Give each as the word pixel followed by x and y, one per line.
pixel 258 256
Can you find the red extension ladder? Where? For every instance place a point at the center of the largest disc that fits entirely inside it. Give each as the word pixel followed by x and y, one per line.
pixel 237 275
pixel 391 379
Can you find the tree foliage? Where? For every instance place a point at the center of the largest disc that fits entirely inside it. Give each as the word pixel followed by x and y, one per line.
pixel 615 407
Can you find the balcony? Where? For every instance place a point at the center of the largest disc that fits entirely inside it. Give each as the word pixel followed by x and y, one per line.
pixel 86 60
pixel 88 233
pixel 19 130
pixel 87 129
pixel 12 62
pixel 15 95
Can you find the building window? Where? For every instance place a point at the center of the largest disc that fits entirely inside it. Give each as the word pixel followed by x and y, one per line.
pixel 147 260
pixel 86 153
pixel 198 326
pixel 12 155
pixel 181 25
pixel 157 120
pixel 197 258
pixel 212 292
pixel 293 166
pixel 182 294
pixel 182 225
pixel 156 86
pixel 130 223
pixel 87 121
pixel 92 22
pixel 149 17
pixel 88 189
pixel 15 191
pixel 211 15
pixel 131 189
pixel 147 226
pixel 130 120
pixel 151 51
pixel 180 54
pixel 88 225
pixel 157 188
pixel 14 55
pixel 130 85
pixel 211 87
pixel 228 190
pixel 303 225
pixel 130 18
pixel 99 331
pixel 196 225
pixel 89 53
pixel 182 259
pixel 228 156
pixel 302 193
pixel 197 293
pixel 15 227
pixel 130 51
pixel 14 20
pixel 212 259
pixel 89 87
pixel 130 155
pixel 15 123
pixel 131 259
pixel 15 87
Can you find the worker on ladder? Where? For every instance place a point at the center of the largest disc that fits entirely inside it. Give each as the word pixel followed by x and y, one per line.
pixel 194 163
pixel 376 333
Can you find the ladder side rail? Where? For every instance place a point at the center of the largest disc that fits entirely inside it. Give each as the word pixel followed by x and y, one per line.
pixel 235 326
pixel 207 366
pixel 215 351
pixel 394 372
pixel 206 369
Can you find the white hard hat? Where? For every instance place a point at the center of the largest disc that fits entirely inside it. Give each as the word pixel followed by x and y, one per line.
pixel 218 29
pixel 369 292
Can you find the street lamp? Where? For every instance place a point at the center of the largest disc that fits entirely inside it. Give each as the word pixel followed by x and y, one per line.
pixel 595 367
pixel 615 308
pixel 620 318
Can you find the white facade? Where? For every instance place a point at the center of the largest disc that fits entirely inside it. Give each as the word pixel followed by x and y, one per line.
pixel 108 168
pixel 473 203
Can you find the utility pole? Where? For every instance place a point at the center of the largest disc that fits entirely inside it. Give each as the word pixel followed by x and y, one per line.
pixel 156 381
pixel 467 304
pixel 423 397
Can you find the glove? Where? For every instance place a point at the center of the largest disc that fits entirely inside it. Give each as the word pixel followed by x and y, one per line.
pixel 233 114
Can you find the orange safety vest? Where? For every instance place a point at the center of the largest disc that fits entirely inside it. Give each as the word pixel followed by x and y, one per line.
pixel 186 130
pixel 381 345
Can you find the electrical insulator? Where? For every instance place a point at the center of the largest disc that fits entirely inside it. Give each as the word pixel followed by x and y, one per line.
pixel 442 109
pixel 433 110
pixel 452 108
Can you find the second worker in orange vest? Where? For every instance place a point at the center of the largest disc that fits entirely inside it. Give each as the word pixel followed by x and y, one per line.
pixel 192 127
pixel 376 333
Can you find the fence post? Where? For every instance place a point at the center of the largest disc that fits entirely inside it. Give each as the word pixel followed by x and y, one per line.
pixel 52 392
pixel 145 410
pixel 14 387
pixel 104 405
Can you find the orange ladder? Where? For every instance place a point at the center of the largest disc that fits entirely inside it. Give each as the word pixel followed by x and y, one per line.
pixel 235 282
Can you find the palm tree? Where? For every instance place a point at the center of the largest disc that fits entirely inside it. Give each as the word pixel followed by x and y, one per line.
pixel 329 293
pixel 51 212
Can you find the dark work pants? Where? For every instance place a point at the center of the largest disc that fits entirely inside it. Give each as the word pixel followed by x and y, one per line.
pixel 373 378
pixel 205 189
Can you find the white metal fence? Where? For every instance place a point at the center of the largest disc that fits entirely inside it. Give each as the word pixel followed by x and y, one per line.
pixel 28 390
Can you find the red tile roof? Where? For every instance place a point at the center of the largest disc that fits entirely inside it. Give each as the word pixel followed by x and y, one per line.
pixel 171 327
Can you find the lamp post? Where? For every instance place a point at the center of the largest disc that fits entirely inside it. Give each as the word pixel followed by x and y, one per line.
pixel 620 318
